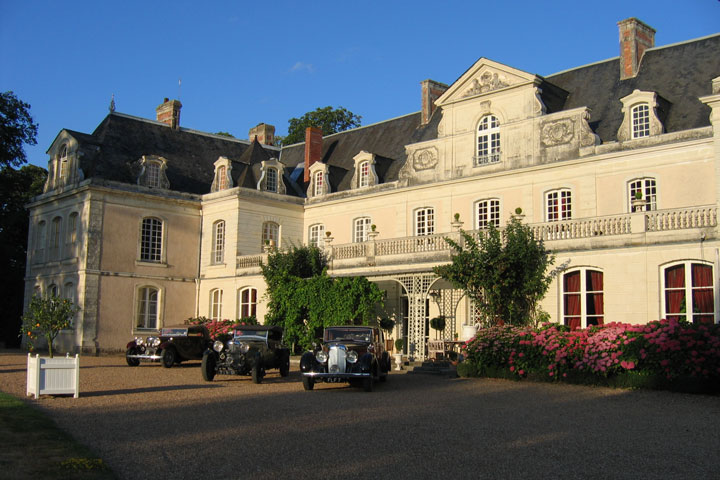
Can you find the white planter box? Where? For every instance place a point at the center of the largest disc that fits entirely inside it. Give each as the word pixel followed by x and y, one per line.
pixel 53 376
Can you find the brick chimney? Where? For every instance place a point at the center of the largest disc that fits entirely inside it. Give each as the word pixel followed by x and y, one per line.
pixel 264 133
pixel 313 148
pixel 169 113
pixel 635 38
pixel 431 91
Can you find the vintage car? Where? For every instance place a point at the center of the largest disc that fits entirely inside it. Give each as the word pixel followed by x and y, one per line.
pixel 353 354
pixel 252 350
pixel 172 346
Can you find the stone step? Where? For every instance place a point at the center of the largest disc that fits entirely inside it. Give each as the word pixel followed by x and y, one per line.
pixel 440 368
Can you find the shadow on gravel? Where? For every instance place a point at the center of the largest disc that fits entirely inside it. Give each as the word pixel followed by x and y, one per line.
pixel 127 391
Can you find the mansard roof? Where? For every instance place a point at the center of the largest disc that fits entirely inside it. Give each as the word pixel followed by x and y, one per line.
pixel 121 140
pixel 678 73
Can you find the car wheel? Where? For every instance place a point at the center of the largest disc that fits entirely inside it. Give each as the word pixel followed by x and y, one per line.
pixel 368 384
pixel 308 383
pixel 208 367
pixel 133 362
pixel 285 367
pixel 168 357
pixel 257 375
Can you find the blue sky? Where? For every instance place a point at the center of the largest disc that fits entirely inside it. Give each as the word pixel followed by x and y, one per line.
pixel 242 63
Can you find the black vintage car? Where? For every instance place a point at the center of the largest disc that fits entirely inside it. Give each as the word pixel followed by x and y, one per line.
pixel 172 346
pixel 351 354
pixel 252 350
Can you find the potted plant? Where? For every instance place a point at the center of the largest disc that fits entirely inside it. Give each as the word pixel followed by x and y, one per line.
pixel 637 202
pixel 438 324
pixel 399 347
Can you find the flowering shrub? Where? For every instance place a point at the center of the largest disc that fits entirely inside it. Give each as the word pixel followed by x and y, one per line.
pixel 667 347
pixel 218 329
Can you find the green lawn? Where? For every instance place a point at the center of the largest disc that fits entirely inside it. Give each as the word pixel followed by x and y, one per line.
pixel 33 447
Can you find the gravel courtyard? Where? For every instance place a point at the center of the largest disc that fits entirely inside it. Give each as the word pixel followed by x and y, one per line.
pixel 149 422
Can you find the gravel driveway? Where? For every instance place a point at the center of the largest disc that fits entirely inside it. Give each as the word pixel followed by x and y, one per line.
pixel 149 422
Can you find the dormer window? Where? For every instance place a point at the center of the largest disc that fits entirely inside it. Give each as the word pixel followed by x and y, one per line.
pixel 640 120
pixel 364 170
pixel 365 175
pixel 222 179
pixel 319 183
pixel 488 141
pixel 152 175
pixel 640 117
pixel 271 177
pixel 152 172
pixel 271 181
pixel 63 164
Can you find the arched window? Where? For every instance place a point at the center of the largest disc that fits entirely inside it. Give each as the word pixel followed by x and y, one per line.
pixel 218 251
pixel 40 241
pixel 222 182
pixel 425 221
pixel 316 235
pixel 216 304
pixel 487 213
pixel 271 234
pixel 55 238
pixel 53 291
pixel 152 174
pixel 69 293
pixel 488 141
pixel 361 227
pixel 558 205
pixel 583 303
pixel 640 120
pixel 688 292
pixel 319 180
pixel 147 308
pixel 151 237
pixel 247 303
pixel 647 190
pixel 62 174
pixel 364 171
pixel 271 182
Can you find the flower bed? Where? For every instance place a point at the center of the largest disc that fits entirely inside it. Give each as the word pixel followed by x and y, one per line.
pixel 660 354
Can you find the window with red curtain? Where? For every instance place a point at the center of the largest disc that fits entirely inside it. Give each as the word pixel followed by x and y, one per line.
pixel 689 294
pixel 572 299
pixel 583 301
pixel 594 297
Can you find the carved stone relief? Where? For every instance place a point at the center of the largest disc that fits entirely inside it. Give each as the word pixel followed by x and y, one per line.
pixel 487 82
pixel 557 133
pixel 425 159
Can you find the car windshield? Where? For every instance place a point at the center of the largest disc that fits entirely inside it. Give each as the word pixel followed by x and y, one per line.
pixel 174 332
pixel 352 334
pixel 250 334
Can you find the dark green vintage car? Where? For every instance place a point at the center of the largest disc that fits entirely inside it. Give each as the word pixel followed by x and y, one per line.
pixel 252 350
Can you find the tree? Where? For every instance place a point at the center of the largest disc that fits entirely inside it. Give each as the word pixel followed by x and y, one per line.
pixel 328 119
pixel 504 273
pixel 304 300
pixel 16 128
pixel 17 187
pixel 225 134
pixel 47 316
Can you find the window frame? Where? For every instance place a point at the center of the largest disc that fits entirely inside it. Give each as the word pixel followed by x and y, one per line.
pixel 217 255
pixel 316 235
pixel 585 295
pixel 364 174
pixel 487 141
pixel 152 241
pixel 648 187
pixel 55 244
pixel 318 183
pixel 143 311
pixel 268 232
pixel 640 120
pixel 489 208
pixel 361 228
pixel 247 307
pixel 271 180
pixel 426 225
pixel 688 287
pixel 560 213
pixel 216 304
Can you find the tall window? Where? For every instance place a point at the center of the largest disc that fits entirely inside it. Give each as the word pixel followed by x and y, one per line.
pixel 583 303
pixel 151 240
pixel 152 174
pixel 247 303
pixel 72 233
pixel 688 290
pixel 69 293
pixel 147 309
pixel 640 120
pixel 218 245
pixel 271 182
pixel 271 234
pixel 53 291
pixel 216 304
pixel 425 221
pixel 648 191
pixel 222 182
pixel 488 141
pixel 559 205
pixel 63 164
pixel 316 235
pixel 488 213
pixel 319 183
pixel 40 241
pixel 364 169
pixel 55 238
pixel 361 227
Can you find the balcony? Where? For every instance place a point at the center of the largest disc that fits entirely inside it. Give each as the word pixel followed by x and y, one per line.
pixel 630 229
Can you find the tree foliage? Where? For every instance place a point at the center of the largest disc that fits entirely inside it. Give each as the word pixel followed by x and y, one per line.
pixel 16 128
pixel 304 300
pixel 330 120
pixel 47 316
pixel 504 272
pixel 17 187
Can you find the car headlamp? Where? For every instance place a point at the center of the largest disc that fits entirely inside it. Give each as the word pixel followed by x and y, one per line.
pixel 244 347
pixel 153 341
pixel 218 346
pixel 138 341
pixel 352 356
pixel 321 356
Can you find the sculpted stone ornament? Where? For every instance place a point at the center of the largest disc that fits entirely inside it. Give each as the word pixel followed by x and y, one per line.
pixel 557 133
pixel 587 136
pixel 425 159
pixel 487 82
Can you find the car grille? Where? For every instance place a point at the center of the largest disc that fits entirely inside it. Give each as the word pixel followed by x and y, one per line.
pixel 336 359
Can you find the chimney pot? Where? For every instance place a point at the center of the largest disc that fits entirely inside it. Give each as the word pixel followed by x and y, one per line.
pixel 169 113
pixel 635 38
pixel 430 91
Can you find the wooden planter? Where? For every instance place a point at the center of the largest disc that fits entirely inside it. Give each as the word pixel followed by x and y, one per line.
pixel 53 376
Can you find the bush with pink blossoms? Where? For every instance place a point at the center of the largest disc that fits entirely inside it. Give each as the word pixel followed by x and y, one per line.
pixel 666 348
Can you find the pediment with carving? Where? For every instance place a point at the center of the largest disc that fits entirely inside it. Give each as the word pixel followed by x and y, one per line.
pixel 482 78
